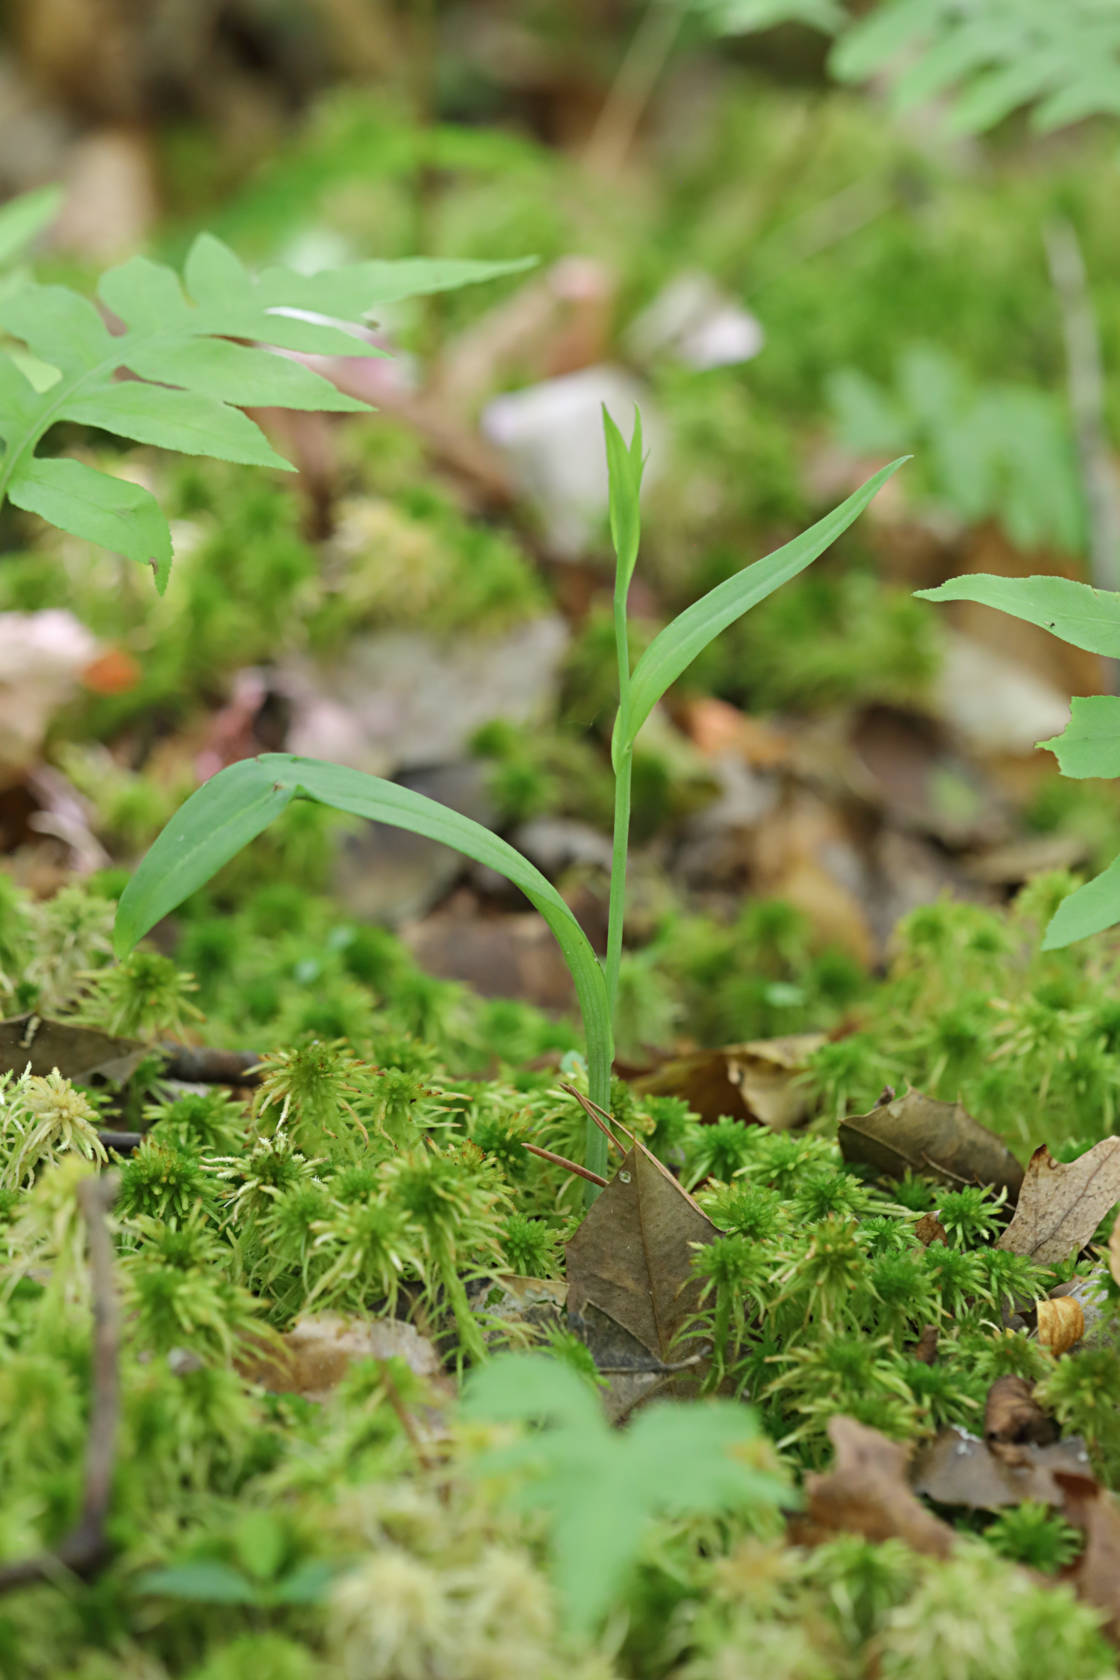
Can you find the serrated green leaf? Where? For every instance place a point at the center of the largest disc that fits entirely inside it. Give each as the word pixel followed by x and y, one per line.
pixel 144 294
pixel 57 325
pixel 214 274
pixel 600 1488
pixel 90 504
pixel 182 420
pixel 1091 909
pixel 1089 745
pixel 22 218
pixel 18 397
pixel 672 651
pixel 239 802
pixel 242 374
pixel 1075 612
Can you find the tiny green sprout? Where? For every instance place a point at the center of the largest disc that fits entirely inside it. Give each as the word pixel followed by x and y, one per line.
pixel 1034 1535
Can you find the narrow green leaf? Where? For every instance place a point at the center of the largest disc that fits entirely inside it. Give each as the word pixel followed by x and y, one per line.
pixel 1089 745
pixel 624 471
pixel 202 1581
pixel 289 329
pixel 24 217
pixel 672 651
pixel 1091 909
pixel 240 373
pixel 180 420
pixel 238 804
pixel 352 290
pixel 91 504
pixel 1075 612
pixel 57 325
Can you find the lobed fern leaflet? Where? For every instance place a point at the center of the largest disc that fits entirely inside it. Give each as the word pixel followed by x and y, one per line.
pixel 191 369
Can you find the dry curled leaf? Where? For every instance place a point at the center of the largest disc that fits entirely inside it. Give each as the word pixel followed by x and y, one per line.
pixel 1013 1416
pixel 961 1470
pixel 1061 1323
pixel 1062 1203
pixel 1095 1577
pixel 760 1081
pixel 916 1133
pixel 79 1053
pixel 315 1354
pixel 632 1255
pixel 866 1492
pixel 1114 1252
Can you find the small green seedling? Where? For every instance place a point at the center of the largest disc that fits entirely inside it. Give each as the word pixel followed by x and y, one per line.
pixel 1090 743
pixel 599 1487
pixel 239 802
pixel 190 377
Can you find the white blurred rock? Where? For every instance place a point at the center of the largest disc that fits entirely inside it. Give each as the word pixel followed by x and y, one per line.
pixel 996 705
pixel 552 436
pixel 42 657
pixel 693 320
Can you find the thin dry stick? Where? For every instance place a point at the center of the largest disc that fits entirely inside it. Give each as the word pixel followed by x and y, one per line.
pixel 568 1166
pixel 1086 385
pixel 600 1117
pixel 644 60
pixel 86 1549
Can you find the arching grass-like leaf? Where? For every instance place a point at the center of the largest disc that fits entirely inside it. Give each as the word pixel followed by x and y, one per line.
pixel 672 651
pixel 179 341
pixel 237 804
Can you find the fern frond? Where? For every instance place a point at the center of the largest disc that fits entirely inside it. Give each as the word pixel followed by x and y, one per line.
pixel 1062 57
pixel 188 374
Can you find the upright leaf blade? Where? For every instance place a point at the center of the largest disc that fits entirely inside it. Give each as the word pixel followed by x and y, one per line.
pixel 90 504
pixel 672 651
pixel 1074 612
pixel 624 473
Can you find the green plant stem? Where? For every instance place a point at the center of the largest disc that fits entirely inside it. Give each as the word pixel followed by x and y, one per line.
pixel 595 1155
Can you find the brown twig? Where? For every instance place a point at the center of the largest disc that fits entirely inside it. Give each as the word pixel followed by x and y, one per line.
pixel 87 1549
pixel 199 1065
pixel 568 1166
pixel 600 1116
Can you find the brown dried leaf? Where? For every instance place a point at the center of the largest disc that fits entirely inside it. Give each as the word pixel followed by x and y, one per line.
pixel 1114 1252
pixel 1061 1323
pixel 942 1139
pixel 79 1053
pixel 759 1081
pixel 315 1354
pixel 959 1469
pixel 1095 1577
pixel 1012 1415
pixel 866 1492
pixel 632 1255
pixel 1062 1203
